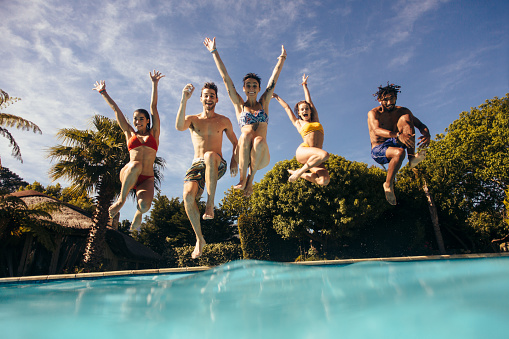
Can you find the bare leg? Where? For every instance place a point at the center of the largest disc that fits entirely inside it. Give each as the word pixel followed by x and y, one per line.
pixel 128 176
pixel 310 157
pixel 260 158
pixel 193 213
pixel 144 195
pixel 244 146
pixel 212 161
pixel 317 175
pixel 406 125
pixel 396 156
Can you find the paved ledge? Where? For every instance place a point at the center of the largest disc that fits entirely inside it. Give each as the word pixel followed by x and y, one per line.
pixel 92 275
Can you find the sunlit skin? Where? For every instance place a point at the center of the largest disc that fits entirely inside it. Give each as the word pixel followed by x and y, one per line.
pixel 311 156
pixel 390 121
pixel 252 147
pixel 206 130
pixel 141 159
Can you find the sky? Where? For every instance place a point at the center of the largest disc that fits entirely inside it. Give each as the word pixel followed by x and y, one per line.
pixel 447 55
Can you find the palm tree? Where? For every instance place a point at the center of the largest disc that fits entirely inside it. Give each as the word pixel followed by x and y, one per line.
pixel 92 161
pixel 10 120
pixel 16 219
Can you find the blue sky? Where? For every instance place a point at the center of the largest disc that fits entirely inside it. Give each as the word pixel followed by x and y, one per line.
pixel 448 56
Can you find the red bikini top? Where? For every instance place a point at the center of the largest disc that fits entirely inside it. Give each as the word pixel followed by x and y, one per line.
pixel 135 142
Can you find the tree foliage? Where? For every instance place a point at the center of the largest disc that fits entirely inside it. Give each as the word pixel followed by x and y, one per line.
pixel 10 120
pixel 10 181
pixel 467 169
pixel 300 209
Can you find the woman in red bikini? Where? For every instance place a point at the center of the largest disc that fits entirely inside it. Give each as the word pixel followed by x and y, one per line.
pixel 142 144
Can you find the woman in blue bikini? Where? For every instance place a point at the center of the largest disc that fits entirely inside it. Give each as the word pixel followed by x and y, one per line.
pixel 252 116
pixel 142 144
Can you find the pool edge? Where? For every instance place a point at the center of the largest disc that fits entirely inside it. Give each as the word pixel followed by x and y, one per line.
pixel 205 268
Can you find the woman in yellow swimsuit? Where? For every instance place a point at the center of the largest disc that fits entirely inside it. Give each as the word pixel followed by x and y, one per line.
pixel 142 144
pixel 310 152
pixel 252 116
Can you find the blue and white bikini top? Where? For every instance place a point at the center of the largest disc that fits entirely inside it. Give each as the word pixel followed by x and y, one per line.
pixel 248 118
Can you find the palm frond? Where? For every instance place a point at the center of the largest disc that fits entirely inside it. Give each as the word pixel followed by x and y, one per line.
pixel 16 152
pixel 10 120
pixel 6 100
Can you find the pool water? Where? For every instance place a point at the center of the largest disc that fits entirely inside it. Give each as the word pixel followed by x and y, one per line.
pixel 460 298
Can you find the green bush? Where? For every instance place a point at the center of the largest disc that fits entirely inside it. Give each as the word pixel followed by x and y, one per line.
pixel 213 255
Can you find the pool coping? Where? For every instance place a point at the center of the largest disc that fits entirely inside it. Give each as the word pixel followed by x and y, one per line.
pixel 205 268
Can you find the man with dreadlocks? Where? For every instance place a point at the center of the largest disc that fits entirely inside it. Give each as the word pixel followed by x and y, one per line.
pixel 392 131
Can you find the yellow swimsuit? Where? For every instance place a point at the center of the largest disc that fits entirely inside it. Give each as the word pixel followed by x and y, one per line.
pixel 308 128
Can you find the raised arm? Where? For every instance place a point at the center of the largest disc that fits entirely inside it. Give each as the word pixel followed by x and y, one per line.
pixel 182 123
pixel 100 86
pixel 267 95
pixel 156 123
pixel 232 92
pixel 307 96
pixel 288 110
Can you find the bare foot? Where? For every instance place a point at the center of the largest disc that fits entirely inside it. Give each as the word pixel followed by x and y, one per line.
pixel 241 185
pixel 209 213
pixel 294 176
pixel 389 194
pixel 200 243
pixel 417 158
pixel 115 208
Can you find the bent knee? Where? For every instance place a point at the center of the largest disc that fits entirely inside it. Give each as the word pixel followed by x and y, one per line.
pixel 325 157
pixel 144 206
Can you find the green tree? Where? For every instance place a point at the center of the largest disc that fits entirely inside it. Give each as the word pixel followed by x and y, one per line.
pixel 320 213
pixel 10 120
pixel 467 169
pixel 10 181
pixel 91 160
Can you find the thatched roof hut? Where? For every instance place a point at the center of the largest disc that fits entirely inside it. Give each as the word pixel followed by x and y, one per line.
pixel 122 252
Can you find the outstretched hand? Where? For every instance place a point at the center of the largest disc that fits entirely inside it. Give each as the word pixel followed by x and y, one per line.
pixel 283 52
pixel 210 44
pixel 305 79
pixel 275 96
pixel 156 76
pixel 99 85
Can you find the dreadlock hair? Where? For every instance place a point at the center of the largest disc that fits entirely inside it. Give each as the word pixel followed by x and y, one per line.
pixel 252 76
pixel 209 85
pixel 382 91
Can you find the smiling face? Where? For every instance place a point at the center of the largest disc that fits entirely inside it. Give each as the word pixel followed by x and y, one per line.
pixel 251 88
pixel 141 120
pixel 304 111
pixel 388 101
pixel 208 98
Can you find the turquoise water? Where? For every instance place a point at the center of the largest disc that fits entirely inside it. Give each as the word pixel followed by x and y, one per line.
pixel 461 298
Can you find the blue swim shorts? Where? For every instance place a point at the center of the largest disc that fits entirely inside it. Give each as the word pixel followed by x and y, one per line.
pixel 378 152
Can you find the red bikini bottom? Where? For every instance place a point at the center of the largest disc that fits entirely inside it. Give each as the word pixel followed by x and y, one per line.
pixel 141 179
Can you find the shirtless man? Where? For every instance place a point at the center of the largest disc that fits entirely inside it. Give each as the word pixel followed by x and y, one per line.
pixel 392 130
pixel 208 165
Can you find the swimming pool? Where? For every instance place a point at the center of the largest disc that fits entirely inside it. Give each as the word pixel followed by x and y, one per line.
pixel 460 298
